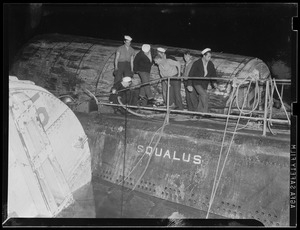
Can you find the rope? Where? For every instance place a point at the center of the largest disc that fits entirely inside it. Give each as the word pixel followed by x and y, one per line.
pixel 281 101
pixel 138 114
pixel 141 157
pixel 151 154
pixel 124 160
pixel 246 125
pixel 161 131
pixel 91 95
pixel 235 94
pixel 105 61
pixel 216 184
pixel 211 197
pixel 270 106
pixel 256 96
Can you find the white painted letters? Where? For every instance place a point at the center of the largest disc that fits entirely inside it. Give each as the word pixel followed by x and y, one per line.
pixel 186 160
pixel 176 156
pixel 140 148
pixel 167 153
pixel 197 159
pixel 148 150
pixel 160 152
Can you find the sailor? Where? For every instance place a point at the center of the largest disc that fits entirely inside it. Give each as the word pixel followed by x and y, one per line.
pixel 203 67
pixel 171 68
pixel 124 60
pixel 161 52
pixel 190 96
pixel 143 62
pixel 120 89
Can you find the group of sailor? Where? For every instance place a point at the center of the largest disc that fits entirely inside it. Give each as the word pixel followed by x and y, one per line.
pixel 127 63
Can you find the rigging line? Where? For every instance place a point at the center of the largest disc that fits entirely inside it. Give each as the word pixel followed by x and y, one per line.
pixel 58 56
pixel 138 114
pixel 139 159
pixel 42 69
pixel 86 51
pixel 244 126
pixel 216 187
pixel 91 95
pixel 281 102
pixel 144 152
pixel 245 62
pixel 220 154
pixel 219 179
pixel 151 154
pixel 149 144
pixel 124 159
pixel 270 108
pixel 151 82
pixel 242 62
pixel 256 95
pixel 98 77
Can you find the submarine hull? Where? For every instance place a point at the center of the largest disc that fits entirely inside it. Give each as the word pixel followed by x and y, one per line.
pixel 66 64
pixel 136 165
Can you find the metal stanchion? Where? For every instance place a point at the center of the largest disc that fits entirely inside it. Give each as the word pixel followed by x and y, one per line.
pixel 168 99
pixel 281 94
pixel 266 108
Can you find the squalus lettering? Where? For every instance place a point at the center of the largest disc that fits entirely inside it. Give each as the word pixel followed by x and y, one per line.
pixel 170 155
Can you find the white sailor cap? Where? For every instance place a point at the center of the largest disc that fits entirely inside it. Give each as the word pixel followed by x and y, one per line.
pixel 127 38
pixel 161 49
pixel 146 48
pixel 205 51
pixel 126 79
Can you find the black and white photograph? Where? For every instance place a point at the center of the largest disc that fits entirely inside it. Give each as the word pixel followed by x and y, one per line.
pixel 150 114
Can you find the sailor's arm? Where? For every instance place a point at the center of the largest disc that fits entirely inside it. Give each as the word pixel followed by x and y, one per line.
pixel 116 60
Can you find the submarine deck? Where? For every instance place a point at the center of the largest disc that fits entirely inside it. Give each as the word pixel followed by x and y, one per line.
pixel 282 132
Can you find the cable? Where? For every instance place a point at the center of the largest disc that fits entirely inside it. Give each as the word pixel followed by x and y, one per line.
pixel 215 186
pixel 151 154
pixel 270 107
pixel 281 101
pixel 149 143
pixel 256 96
pixel 91 95
pixel 227 119
pixel 124 160
pixel 138 114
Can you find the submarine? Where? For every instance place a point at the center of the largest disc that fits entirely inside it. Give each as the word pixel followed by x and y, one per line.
pixel 154 162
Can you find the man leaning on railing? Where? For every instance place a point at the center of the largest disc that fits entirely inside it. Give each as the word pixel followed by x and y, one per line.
pixel 203 67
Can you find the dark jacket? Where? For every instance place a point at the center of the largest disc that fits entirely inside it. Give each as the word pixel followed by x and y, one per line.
pixel 142 63
pixel 125 94
pixel 197 70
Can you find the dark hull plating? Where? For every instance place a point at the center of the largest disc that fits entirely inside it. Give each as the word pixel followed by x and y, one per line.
pixel 180 173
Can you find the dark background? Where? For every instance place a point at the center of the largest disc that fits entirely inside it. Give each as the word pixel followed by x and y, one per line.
pixel 258 30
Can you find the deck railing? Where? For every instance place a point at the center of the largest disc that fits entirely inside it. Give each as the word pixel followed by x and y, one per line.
pixel 265 85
